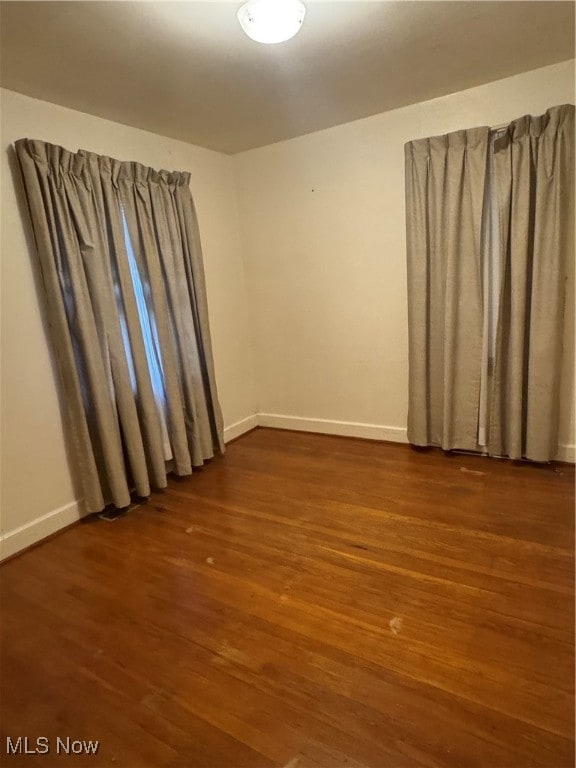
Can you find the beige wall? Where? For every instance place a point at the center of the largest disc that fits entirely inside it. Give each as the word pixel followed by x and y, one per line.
pixel 35 477
pixel 324 245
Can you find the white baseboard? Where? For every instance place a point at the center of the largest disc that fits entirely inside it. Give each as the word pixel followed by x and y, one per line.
pixel 330 427
pixel 566 453
pixel 32 532
pixel 240 427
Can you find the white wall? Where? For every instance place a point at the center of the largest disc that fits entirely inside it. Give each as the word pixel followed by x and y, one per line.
pixel 37 494
pixel 324 244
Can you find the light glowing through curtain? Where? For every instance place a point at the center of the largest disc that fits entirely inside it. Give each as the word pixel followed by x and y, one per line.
pixel 150 336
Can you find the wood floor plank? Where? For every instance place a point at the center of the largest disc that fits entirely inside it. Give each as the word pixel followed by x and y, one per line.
pixel 305 601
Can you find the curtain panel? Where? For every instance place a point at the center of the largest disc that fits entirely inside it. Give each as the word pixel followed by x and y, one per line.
pixel 121 264
pixel 444 199
pixel 534 179
pixel 489 224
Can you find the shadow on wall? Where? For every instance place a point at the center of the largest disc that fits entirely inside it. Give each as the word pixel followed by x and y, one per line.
pixel 22 203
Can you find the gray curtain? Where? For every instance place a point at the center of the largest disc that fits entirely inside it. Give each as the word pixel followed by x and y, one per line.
pixel 534 179
pixel 530 197
pixel 121 265
pixel 444 196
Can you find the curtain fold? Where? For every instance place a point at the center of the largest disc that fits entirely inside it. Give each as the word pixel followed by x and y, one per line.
pixel 118 242
pixel 489 222
pixel 491 276
pixel 444 198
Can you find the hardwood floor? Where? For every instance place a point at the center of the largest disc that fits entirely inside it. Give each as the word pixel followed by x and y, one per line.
pixel 306 601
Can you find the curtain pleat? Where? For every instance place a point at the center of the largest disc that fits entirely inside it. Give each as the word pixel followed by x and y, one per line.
pixel 491 271
pixel 82 206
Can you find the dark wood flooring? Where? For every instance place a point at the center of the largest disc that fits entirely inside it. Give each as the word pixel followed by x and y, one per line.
pixel 306 601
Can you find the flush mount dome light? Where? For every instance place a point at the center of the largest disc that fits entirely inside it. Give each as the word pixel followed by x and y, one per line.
pixel 271 21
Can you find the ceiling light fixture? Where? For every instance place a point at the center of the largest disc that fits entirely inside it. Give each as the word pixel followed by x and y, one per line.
pixel 271 21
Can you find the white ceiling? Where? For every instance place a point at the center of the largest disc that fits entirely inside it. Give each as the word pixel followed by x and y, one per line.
pixel 186 69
